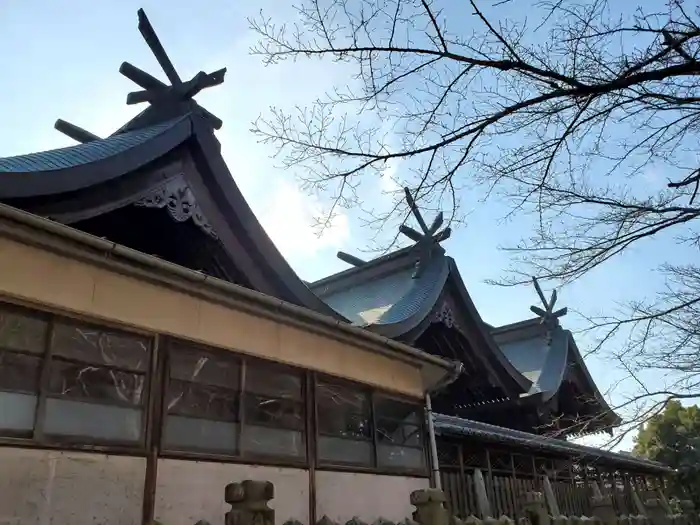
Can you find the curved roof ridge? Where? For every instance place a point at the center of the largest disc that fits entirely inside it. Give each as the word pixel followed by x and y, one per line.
pixel 523 383
pixel 75 167
pixel 417 303
pixel 553 367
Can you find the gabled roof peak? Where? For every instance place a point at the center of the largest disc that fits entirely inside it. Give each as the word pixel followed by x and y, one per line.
pixel 427 241
pixel 166 101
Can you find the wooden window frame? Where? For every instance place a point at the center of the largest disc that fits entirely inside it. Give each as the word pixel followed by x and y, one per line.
pixel 154 398
pixel 239 455
pixel 39 438
pixel 146 374
pixel 372 394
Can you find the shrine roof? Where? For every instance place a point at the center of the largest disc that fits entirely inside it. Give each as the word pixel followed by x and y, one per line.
pixel 170 142
pixel 546 363
pixel 389 297
pixel 383 294
pixel 75 167
pixel 454 426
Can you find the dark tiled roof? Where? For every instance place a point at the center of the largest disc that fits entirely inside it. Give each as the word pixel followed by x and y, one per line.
pixel 390 302
pixel 454 426
pixel 541 363
pixel 80 154
pixel 368 302
pixel 392 298
pixel 524 344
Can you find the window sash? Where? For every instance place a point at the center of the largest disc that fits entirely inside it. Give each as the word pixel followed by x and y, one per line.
pixel 382 450
pixel 149 387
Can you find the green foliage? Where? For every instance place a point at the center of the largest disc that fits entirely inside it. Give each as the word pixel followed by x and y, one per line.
pixel 673 438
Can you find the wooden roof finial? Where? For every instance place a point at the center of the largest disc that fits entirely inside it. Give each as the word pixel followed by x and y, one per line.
pixel 428 239
pixel 547 315
pixel 159 94
pixel 76 133
pixel 350 259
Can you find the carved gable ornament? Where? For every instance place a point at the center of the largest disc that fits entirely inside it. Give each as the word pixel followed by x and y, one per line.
pixel 176 197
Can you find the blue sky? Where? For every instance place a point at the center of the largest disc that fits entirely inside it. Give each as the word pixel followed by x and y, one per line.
pixel 61 60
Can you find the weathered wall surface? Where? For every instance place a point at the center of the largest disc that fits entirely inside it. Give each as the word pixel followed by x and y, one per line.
pixel 41 487
pixel 40 276
pixel 189 491
pixel 343 495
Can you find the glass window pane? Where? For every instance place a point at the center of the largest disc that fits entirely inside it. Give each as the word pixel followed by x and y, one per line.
pixel 96 383
pixel 92 421
pixel 387 408
pixel 19 372
pixel 400 457
pixel 282 413
pixel 192 364
pixel 203 401
pixel 17 411
pixel 344 451
pixel 270 381
pixel 99 346
pixel 200 434
pixel 343 412
pixel 270 441
pixel 20 331
pixel 395 433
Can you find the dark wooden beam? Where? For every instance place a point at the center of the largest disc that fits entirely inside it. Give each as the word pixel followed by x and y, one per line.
pixel 78 134
pixel 350 259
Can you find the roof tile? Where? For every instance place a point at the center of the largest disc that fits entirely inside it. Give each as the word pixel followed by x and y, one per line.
pixel 80 154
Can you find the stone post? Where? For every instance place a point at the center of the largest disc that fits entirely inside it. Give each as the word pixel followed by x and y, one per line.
pixel 249 503
pixel 430 508
pixel 535 508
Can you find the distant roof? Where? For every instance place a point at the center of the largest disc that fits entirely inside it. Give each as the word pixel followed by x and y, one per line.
pixel 386 296
pixel 525 345
pixel 454 426
pixel 383 295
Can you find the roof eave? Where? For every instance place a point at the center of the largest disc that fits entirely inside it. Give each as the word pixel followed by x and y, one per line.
pixel 249 226
pixel 42 183
pixel 519 383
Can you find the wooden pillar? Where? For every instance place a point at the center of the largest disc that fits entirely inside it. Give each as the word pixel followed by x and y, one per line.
pixel 311 439
pixel 463 478
pixel 490 484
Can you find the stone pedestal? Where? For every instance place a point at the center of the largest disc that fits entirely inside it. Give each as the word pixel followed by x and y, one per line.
pixel 535 509
pixel 430 507
pixel 249 503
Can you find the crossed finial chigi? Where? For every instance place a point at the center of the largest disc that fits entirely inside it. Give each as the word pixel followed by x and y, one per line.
pixel 547 315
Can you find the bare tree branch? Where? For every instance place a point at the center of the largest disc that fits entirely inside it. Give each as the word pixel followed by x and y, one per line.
pixel 572 113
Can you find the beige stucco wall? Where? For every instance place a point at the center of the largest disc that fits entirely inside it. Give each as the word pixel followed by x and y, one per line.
pixel 344 495
pixel 40 276
pixel 188 491
pixel 41 487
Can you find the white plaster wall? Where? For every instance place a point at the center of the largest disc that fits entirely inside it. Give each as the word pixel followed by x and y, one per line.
pixel 189 491
pixel 342 496
pixel 69 488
